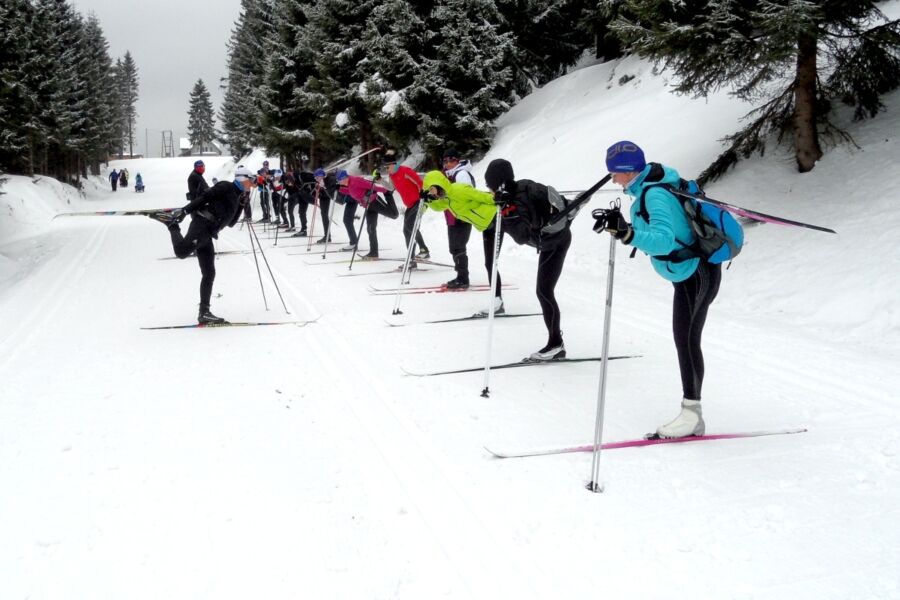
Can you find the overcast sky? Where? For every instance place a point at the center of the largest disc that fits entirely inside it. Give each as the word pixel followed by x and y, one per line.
pixel 174 43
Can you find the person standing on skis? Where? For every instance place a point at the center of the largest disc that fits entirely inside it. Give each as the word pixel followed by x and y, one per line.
pixel 458 170
pixel 659 226
pixel 470 206
pixel 196 183
pixel 408 185
pixel 213 210
pixel 528 207
pixel 366 193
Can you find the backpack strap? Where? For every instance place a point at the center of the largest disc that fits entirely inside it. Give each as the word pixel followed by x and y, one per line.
pixel 687 251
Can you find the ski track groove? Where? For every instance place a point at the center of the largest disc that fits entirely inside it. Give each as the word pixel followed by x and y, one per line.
pixel 55 293
pixel 424 476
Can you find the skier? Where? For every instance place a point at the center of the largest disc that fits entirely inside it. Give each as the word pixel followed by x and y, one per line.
pixel 458 170
pixel 306 186
pixel 114 179
pixel 528 207
pixel 408 184
pixel 277 186
pixel 138 183
pixel 292 194
pixel 362 190
pixel 196 183
pixel 262 184
pixel 471 206
pixel 213 210
pixel 696 281
pixel 325 186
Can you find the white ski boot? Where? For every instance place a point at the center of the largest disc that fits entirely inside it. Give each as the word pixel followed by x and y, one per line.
pixel 689 422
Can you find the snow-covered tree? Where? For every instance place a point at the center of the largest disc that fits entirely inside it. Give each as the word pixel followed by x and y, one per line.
pixel 794 57
pixel 201 117
pixel 240 111
pixel 127 83
pixel 465 82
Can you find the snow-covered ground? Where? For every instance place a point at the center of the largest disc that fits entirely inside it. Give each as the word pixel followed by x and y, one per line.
pixel 299 462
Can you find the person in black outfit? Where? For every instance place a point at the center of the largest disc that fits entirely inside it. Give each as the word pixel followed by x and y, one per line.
pixel 526 217
pixel 196 183
pixel 325 187
pixel 213 210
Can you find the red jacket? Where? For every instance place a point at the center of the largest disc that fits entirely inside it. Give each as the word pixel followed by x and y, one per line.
pixel 408 184
pixel 360 189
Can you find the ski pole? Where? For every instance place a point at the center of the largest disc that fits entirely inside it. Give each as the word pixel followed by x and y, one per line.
pixel 312 226
pixel 358 233
pixel 486 392
pixel 595 485
pixel 272 275
pixel 404 277
pixel 256 261
pixel 328 229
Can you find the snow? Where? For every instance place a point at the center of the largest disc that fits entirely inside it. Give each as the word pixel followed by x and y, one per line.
pixel 288 461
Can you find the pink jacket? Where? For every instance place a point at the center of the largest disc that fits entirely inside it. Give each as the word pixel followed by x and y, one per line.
pixel 360 189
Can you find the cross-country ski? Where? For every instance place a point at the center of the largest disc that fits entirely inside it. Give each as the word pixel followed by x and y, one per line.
pixel 229 324
pixel 475 317
pixel 513 365
pixel 653 440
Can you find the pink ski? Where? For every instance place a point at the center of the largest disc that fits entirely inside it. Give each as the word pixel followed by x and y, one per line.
pixel 652 441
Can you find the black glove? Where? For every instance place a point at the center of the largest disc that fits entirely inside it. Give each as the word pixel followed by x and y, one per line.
pixel 502 197
pixel 613 222
pixel 178 215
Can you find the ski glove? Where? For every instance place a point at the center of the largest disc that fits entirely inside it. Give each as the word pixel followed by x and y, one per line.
pixel 376 175
pixel 613 222
pixel 178 215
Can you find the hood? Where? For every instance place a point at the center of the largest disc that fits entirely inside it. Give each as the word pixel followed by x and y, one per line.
pixel 653 173
pixel 435 178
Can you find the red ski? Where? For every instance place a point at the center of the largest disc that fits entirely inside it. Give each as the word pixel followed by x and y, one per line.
pixel 651 440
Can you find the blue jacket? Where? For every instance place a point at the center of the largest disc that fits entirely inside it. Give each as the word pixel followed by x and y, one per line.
pixel 668 222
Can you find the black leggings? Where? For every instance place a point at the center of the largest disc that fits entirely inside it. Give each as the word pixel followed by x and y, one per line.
pixel 691 303
pixel 349 214
pixel 487 238
pixel 409 221
pixel 264 201
pixel 550 264
pixel 324 207
pixel 295 200
pixel 388 208
pixel 458 236
pixel 198 241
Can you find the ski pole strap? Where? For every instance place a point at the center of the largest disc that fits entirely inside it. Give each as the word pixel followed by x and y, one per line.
pixel 579 200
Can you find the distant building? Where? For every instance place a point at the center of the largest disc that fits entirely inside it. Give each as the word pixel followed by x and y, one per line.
pixel 213 148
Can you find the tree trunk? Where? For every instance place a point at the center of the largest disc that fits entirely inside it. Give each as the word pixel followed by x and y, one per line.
pixel 806 136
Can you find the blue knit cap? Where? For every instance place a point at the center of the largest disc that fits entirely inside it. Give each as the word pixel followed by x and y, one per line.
pixel 342 175
pixel 625 157
pixel 319 173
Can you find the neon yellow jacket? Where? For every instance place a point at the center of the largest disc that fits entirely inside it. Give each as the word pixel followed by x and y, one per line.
pixel 465 202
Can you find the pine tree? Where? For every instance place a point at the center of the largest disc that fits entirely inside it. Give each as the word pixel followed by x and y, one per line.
pixel 97 72
pixel 128 90
pixel 240 111
pixel 550 35
pixel 465 82
pixel 201 117
pixel 16 153
pixel 338 91
pixel 775 52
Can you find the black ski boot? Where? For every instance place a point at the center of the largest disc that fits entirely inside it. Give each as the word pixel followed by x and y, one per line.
pixel 170 219
pixel 322 240
pixel 458 284
pixel 207 318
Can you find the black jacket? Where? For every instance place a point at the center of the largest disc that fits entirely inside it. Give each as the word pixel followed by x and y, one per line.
pixel 527 210
pixel 220 205
pixel 196 185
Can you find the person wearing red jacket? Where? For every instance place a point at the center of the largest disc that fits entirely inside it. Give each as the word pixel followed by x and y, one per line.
pixel 408 184
pixel 366 194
